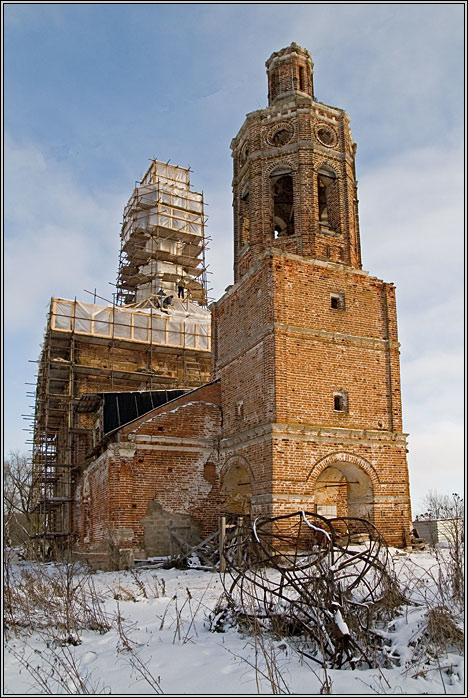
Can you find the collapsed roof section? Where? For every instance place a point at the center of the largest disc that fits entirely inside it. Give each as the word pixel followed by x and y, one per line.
pixel 163 238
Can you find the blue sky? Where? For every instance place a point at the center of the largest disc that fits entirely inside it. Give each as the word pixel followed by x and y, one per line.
pixel 93 91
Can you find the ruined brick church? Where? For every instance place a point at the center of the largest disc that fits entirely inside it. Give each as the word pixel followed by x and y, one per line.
pixel 300 407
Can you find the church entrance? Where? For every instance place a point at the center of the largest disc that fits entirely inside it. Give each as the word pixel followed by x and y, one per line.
pixel 344 489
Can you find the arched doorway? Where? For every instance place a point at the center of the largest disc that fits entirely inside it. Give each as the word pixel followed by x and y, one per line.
pixel 236 486
pixel 344 489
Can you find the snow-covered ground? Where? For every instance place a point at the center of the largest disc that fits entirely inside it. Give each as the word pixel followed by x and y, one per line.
pixel 159 641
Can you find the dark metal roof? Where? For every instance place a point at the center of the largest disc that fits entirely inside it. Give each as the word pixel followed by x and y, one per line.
pixel 120 408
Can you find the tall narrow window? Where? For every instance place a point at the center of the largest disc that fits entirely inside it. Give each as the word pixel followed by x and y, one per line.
pixel 245 215
pixel 283 205
pixel 275 86
pixel 302 82
pixel 328 202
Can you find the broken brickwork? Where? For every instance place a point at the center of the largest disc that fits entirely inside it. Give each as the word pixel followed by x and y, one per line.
pixel 165 460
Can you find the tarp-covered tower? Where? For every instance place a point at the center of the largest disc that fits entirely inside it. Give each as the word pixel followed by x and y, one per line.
pixel 154 336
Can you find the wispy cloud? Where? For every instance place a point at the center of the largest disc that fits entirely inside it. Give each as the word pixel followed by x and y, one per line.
pixel 412 234
pixel 438 450
pixel 59 237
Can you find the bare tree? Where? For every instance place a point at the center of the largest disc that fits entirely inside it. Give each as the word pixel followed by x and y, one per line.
pixel 442 506
pixel 18 521
pixel 450 509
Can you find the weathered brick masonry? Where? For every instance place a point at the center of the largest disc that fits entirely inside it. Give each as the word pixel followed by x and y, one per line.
pixel 306 343
pixel 282 353
pixel 165 460
pixel 304 410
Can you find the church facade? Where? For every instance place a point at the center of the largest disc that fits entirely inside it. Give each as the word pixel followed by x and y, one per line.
pixel 304 407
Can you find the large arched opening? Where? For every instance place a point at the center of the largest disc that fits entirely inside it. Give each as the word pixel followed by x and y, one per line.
pixel 282 188
pixel 343 485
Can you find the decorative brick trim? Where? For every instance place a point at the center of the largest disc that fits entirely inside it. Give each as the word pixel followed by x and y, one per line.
pixel 342 457
pixel 285 161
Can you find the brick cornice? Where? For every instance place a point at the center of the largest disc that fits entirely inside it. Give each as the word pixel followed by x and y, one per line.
pixel 317 433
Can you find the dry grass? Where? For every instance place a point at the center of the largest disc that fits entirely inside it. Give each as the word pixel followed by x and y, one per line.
pixel 441 631
pixel 62 597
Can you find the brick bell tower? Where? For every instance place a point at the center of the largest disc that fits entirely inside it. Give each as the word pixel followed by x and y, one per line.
pixel 305 342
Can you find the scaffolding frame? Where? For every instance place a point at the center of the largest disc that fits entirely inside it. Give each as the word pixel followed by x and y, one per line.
pixel 137 342
pixel 163 237
pixel 82 353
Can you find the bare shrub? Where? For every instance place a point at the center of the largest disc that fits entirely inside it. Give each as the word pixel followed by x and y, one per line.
pixel 62 597
pixel 448 509
pixel 135 587
pixel 442 632
pixel 128 649
pixel 53 604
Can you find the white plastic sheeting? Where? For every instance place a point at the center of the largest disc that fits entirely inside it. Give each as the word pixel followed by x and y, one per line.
pixel 158 204
pixel 168 173
pixel 185 325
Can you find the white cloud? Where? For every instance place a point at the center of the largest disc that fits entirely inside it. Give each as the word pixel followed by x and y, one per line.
pixel 220 253
pixel 412 218
pixel 436 460
pixel 59 237
pixel 412 234
pixel 434 377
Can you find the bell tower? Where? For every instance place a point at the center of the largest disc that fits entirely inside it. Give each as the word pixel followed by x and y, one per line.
pixel 290 70
pixel 305 342
pixel 294 179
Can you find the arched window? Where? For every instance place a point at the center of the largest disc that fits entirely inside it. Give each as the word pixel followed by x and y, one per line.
pixel 302 80
pixel 328 200
pixel 283 201
pixel 245 214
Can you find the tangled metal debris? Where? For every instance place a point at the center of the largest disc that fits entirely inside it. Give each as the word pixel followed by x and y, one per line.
pixel 320 580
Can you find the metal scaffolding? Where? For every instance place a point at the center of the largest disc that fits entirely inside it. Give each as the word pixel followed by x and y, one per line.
pixel 154 336
pixel 91 348
pixel 163 239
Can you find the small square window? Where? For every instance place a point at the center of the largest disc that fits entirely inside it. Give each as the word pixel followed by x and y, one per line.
pixel 340 401
pixel 337 301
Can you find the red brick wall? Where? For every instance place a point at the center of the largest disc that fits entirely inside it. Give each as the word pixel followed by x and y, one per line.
pixel 159 457
pixel 320 349
pixel 302 350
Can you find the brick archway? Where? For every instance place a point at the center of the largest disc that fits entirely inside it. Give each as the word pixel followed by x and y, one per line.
pixel 342 456
pixel 344 484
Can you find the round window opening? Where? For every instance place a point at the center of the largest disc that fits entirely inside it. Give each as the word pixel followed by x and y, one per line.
pixel 326 136
pixel 281 137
